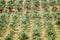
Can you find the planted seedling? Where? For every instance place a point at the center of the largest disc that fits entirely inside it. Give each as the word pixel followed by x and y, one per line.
pixel 2 4
pixel 8 37
pixel 44 0
pixel 9 5
pixel 51 35
pixel 3 18
pixel 14 20
pixel 18 4
pixel 13 24
pixel 25 19
pixel 24 26
pixel 23 35
pixel 48 24
pixel 35 14
pixel 36 35
pixel 54 8
pixel 47 16
pixel 1 25
pixel 58 22
pixel 34 8
pixel 50 30
pixel 36 38
pixel 57 15
pixel 37 22
pixel 36 3
pixel 52 2
pixel 58 2
pixel 28 4
pixel 44 4
pixel 36 31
